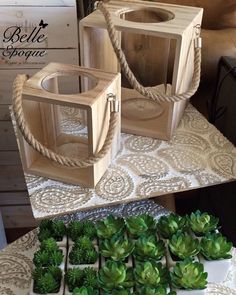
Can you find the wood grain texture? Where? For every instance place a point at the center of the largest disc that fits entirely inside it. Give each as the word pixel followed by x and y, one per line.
pixel 12 178
pixel 43 102
pixel 7 135
pixel 10 158
pixel 148 32
pixel 14 198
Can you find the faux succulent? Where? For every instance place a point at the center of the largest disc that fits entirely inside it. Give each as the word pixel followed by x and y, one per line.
pixel 89 229
pixel 140 225
pixel 115 275
pixel 85 291
pixel 117 248
pixel 47 280
pixel 51 228
pixel 74 278
pixel 183 245
pixel 90 277
pixel 188 275
pixel 75 229
pixel 84 243
pixel 81 256
pixel 49 245
pixel 170 224
pixel 45 258
pixel 151 274
pixel 147 247
pixel 110 226
pixel 119 292
pixel 202 223
pixel 155 291
pixel 214 246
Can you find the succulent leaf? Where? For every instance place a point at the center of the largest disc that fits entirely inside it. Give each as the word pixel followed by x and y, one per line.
pixel 85 291
pixel 153 291
pixel 47 280
pixel 140 225
pixel 75 229
pixel 81 256
pixel 215 246
pixel 147 247
pixel 74 278
pixel 119 292
pixel 114 275
pixel 202 223
pixel 56 258
pixel 41 258
pixel 49 245
pixel 183 245
pixel 89 229
pixel 90 277
pixel 44 234
pixel 84 243
pixel 110 226
pixel 58 229
pixel 188 275
pixel 170 224
pixel 151 274
pixel 117 248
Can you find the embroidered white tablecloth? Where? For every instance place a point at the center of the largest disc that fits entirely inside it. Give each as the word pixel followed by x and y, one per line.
pixel 198 155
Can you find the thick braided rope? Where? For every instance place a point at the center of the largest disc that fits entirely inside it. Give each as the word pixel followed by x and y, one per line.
pixel 148 92
pixel 51 155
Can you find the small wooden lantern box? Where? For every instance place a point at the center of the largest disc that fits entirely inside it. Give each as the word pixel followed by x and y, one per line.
pixel 44 110
pixel 157 39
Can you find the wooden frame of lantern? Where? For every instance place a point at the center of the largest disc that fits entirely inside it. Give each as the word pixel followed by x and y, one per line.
pixel 41 104
pixel 137 28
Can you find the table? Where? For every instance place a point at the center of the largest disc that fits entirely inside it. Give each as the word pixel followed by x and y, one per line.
pixel 16 259
pixel 198 155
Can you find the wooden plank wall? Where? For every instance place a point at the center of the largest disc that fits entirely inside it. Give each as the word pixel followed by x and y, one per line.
pixel 62 18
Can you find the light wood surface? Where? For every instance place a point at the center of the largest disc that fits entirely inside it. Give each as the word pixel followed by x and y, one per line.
pixel 45 124
pixel 148 32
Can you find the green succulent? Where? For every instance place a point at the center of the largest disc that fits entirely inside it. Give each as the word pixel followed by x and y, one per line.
pixel 151 274
pixel 55 271
pixel 89 229
pixel 74 278
pixel 119 292
pixel 41 258
pixel 56 258
pixel 140 225
pixel 183 245
pixel 58 229
pixel 202 223
pixel 115 275
pixel 75 229
pixel 85 291
pixel 47 280
pixel 51 229
pixel 214 246
pixel 84 243
pixel 170 224
pixel 153 291
pixel 147 247
pixel 44 234
pixel 49 245
pixel 80 256
pixel 117 248
pixel 90 277
pixel 110 226
pixel 188 275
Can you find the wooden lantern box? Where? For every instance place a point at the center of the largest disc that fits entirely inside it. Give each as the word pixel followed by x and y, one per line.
pixel 158 43
pixel 46 111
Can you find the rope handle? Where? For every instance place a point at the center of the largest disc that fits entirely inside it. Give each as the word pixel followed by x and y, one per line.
pixel 48 153
pixel 151 92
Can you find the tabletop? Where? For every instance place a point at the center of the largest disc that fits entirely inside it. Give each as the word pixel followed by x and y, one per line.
pixel 16 259
pixel 198 155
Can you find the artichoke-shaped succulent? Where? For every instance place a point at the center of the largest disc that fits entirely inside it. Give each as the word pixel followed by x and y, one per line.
pixel 85 291
pixel 74 278
pixel 75 229
pixel 49 245
pixel 148 248
pixel 89 229
pixel 161 290
pixel 151 274
pixel 188 275
pixel 140 225
pixel 47 280
pixel 115 275
pixel 119 292
pixel 202 223
pixel 183 245
pixel 117 248
pixel 215 246
pixel 90 277
pixel 170 224
pixel 110 226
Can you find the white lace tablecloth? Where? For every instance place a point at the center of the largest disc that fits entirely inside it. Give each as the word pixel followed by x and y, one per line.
pixel 16 259
pixel 198 155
